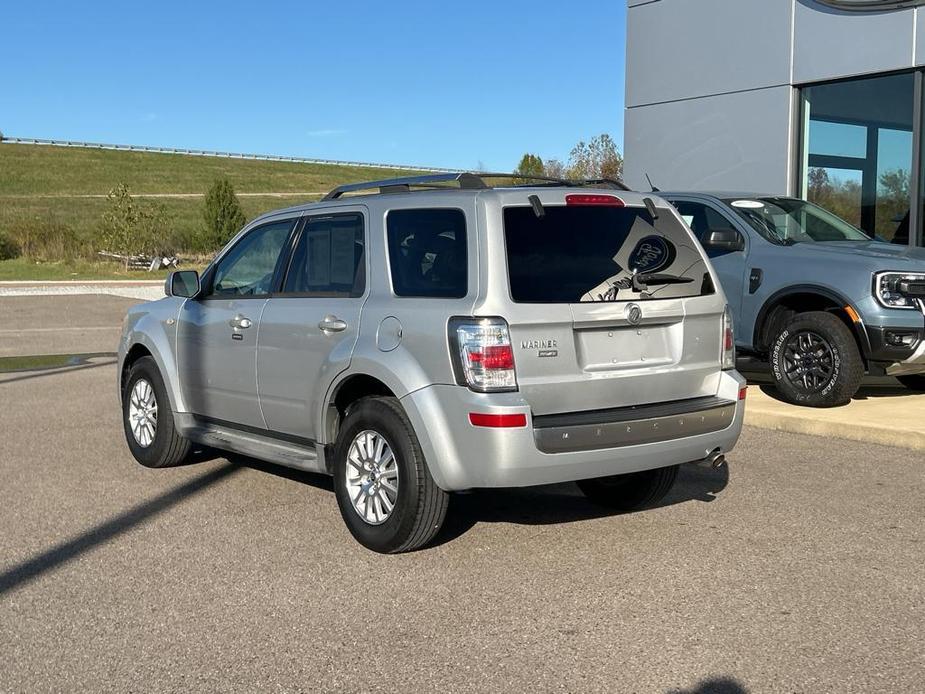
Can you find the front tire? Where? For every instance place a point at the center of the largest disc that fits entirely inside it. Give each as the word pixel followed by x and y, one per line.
pixel 147 418
pixel 632 492
pixel 815 361
pixel 913 382
pixel 386 495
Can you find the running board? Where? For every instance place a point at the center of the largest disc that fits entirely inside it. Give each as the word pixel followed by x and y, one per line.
pixel 307 455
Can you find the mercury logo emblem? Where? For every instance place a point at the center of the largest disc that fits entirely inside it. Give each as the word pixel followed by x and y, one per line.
pixel 634 314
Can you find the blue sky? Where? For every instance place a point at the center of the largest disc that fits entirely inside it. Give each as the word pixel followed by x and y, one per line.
pixel 454 84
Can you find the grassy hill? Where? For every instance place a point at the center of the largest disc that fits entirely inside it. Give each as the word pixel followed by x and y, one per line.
pixel 48 185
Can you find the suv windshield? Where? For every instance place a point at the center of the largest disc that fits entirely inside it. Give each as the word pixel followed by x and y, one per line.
pixel 788 220
pixel 591 253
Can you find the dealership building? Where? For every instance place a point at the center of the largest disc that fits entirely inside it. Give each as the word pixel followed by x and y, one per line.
pixel 822 99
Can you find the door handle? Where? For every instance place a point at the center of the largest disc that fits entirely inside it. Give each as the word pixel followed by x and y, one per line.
pixel 332 324
pixel 240 322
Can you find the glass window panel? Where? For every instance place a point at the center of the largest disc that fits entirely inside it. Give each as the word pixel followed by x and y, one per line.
pixel 859 151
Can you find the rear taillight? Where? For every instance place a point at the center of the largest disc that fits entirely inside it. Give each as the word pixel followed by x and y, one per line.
pixel 483 357
pixel 585 199
pixel 729 343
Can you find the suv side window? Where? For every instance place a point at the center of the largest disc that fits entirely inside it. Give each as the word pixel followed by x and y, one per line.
pixel 702 219
pixel 427 252
pixel 248 268
pixel 328 260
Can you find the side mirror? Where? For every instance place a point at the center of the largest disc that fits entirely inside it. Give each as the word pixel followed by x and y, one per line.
pixel 725 240
pixel 184 283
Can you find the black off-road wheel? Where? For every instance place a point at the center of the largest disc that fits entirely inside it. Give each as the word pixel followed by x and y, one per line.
pixel 815 361
pixel 633 492
pixel 384 489
pixel 913 382
pixel 147 418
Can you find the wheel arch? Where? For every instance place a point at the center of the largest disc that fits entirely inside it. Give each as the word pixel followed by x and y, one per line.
pixel 344 392
pixel 803 298
pixel 142 344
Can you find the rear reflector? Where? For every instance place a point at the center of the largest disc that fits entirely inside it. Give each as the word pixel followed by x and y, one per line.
pixel 606 200
pixel 742 392
pixel 497 421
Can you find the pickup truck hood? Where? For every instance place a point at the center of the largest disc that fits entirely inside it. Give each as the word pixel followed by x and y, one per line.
pixel 898 257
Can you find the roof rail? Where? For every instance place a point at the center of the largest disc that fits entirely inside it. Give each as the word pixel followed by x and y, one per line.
pixel 404 184
pixel 466 180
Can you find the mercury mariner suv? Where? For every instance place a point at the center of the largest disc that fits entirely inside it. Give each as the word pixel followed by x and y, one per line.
pixel 420 336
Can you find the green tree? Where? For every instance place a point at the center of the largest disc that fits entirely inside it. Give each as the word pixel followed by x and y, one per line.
pixel 131 227
pixel 222 214
pixel 530 165
pixel 598 158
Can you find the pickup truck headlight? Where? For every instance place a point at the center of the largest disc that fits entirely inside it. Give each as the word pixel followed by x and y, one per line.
pixel 899 289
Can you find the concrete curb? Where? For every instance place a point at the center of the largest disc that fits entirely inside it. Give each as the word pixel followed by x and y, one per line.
pixel 893 420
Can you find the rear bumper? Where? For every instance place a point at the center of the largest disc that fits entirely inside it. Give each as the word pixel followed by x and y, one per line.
pixel 462 456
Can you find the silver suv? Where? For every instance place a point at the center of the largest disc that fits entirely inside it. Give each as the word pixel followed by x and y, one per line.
pixel 438 335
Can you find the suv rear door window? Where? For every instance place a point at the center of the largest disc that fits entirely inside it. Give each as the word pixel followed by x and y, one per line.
pixel 328 258
pixel 427 252
pixel 589 253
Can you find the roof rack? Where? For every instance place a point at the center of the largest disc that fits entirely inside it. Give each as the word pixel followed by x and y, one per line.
pixel 467 181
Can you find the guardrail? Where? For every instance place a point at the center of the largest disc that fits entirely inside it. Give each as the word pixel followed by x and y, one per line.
pixel 211 153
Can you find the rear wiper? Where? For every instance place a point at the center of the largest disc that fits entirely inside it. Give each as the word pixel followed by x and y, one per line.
pixel 642 280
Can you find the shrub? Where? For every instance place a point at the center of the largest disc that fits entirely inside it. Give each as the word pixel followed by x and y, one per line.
pixel 134 227
pixel 8 248
pixel 222 214
pixel 45 240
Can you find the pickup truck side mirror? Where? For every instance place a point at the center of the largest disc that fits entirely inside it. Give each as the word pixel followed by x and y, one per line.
pixel 725 240
pixel 184 283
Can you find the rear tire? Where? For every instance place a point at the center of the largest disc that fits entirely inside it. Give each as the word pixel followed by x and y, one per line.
pixel 815 361
pixel 147 418
pixel 633 492
pixel 386 495
pixel 914 382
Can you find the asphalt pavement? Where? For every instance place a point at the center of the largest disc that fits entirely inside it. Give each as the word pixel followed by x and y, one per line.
pixel 796 569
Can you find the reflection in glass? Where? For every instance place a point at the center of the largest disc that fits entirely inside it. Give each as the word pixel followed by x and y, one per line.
pixel 859 152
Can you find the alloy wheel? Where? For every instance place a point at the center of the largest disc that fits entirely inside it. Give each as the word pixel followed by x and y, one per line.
pixel 372 477
pixel 142 413
pixel 809 361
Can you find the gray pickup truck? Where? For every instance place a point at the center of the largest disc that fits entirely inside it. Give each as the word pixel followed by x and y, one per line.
pixel 821 300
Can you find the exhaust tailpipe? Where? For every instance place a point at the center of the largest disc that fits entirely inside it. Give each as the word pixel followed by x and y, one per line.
pixel 715 460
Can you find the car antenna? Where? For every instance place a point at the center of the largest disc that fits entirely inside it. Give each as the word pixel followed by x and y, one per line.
pixel 537 206
pixel 654 189
pixel 650 206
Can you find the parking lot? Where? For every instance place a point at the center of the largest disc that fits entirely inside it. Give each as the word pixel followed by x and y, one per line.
pixel 797 568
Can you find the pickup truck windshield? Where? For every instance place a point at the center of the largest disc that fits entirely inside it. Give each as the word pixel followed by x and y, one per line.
pixel 787 221
pixel 578 254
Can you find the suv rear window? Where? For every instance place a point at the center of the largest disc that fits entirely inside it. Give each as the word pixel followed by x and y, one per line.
pixel 427 252
pixel 589 253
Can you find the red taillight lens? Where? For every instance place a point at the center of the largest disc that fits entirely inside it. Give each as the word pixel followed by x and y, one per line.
pixel 583 199
pixel 497 421
pixel 743 391
pixel 494 357
pixel 728 341
pixel 483 356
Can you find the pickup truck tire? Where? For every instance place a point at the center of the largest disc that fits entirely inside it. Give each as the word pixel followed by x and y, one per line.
pixel 633 492
pixel 914 382
pixel 384 489
pixel 815 361
pixel 153 440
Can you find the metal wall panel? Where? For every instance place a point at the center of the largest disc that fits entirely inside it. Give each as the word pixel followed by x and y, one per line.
pixel 679 49
pixel 830 43
pixel 732 141
pixel 920 37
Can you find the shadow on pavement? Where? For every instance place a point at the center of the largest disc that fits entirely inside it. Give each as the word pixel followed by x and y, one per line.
pixel 714 685
pixel 546 505
pixel 562 503
pixel 97 535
